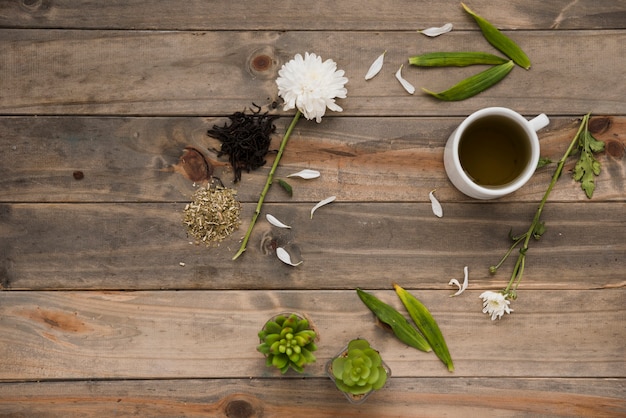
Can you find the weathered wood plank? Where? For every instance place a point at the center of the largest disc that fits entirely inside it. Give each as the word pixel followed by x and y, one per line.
pixel 213 73
pixel 239 398
pixel 321 15
pixel 346 245
pixel 193 334
pixel 137 159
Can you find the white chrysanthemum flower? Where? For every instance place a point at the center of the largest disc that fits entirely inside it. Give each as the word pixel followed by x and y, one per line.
pixel 495 304
pixel 311 85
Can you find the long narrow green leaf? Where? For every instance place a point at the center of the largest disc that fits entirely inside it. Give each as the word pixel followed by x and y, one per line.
pixel 475 84
pixel 499 40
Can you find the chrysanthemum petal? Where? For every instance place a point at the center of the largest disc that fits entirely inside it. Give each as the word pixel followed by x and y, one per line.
pixel 376 66
pixel 437 31
pixel 407 86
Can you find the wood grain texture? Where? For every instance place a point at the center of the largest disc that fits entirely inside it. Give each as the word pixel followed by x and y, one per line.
pixel 251 398
pixel 363 15
pixel 212 334
pixel 138 159
pixel 210 73
pixel 140 246
pixel 106 309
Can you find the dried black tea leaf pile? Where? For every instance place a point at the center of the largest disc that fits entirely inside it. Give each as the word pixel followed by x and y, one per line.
pixel 245 140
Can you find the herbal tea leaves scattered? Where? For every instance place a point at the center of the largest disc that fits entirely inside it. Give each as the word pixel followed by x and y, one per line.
pixel 272 219
pixel 436 206
pixel 432 32
pixel 398 323
pixel 455 282
pixel 500 41
pixel 306 174
pixel 284 256
pixel 286 186
pixel 475 84
pixel 427 325
pixel 376 66
pixel 407 86
pixel 246 140
pixel 322 203
pixel 212 215
pixel 587 167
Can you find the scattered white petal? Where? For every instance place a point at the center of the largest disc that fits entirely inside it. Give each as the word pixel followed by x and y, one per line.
pixel 407 86
pixel 376 66
pixel 284 256
pixel 437 31
pixel 306 174
pixel 271 219
pixel 322 203
pixel 456 282
pixel 181 264
pixel 437 209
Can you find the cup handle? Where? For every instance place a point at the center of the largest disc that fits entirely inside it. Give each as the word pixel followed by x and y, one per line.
pixel 539 122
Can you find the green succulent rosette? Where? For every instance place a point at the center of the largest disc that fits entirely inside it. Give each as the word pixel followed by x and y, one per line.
pixel 360 370
pixel 287 341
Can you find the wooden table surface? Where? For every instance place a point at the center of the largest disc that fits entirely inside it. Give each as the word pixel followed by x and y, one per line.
pixel 107 310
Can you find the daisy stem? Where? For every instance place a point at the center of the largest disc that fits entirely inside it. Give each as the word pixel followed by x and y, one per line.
pixel 518 270
pixel 268 183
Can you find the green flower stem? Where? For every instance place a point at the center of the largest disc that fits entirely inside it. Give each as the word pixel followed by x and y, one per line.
pixel 268 183
pixel 518 270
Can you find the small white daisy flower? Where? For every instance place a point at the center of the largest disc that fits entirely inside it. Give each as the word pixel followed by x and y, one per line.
pixel 311 85
pixel 495 304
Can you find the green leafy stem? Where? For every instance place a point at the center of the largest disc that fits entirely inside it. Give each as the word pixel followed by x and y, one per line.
pixel 585 171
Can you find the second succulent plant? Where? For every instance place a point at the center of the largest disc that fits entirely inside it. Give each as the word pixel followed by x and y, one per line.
pixel 287 341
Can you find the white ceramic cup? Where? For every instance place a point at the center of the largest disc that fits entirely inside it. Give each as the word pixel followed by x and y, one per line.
pixel 464 182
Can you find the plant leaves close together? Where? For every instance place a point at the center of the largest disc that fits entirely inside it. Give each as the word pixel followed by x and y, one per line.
pixel 426 324
pixel 587 167
pixel 398 323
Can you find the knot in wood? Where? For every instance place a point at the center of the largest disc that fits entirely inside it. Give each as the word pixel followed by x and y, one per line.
pixel 241 406
pixel 262 63
pixel 615 149
pixel 34 5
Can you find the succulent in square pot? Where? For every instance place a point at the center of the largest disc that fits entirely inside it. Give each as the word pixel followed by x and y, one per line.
pixel 288 341
pixel 358 370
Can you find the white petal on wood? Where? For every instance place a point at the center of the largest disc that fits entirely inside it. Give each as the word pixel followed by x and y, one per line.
pixel 407 86
pixel 284 256
pixel 272 219
pixel 465 282
pixel 322 203
pixel 306 174
pixel 376 66
pixel 437 31
pixel 437 209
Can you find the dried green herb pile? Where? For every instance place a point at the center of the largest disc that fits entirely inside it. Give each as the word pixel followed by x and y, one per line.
pixel 213 214
pixel 246 140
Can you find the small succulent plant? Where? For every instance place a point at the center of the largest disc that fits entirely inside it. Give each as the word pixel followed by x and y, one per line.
pixel 359 370
pixel 288 341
